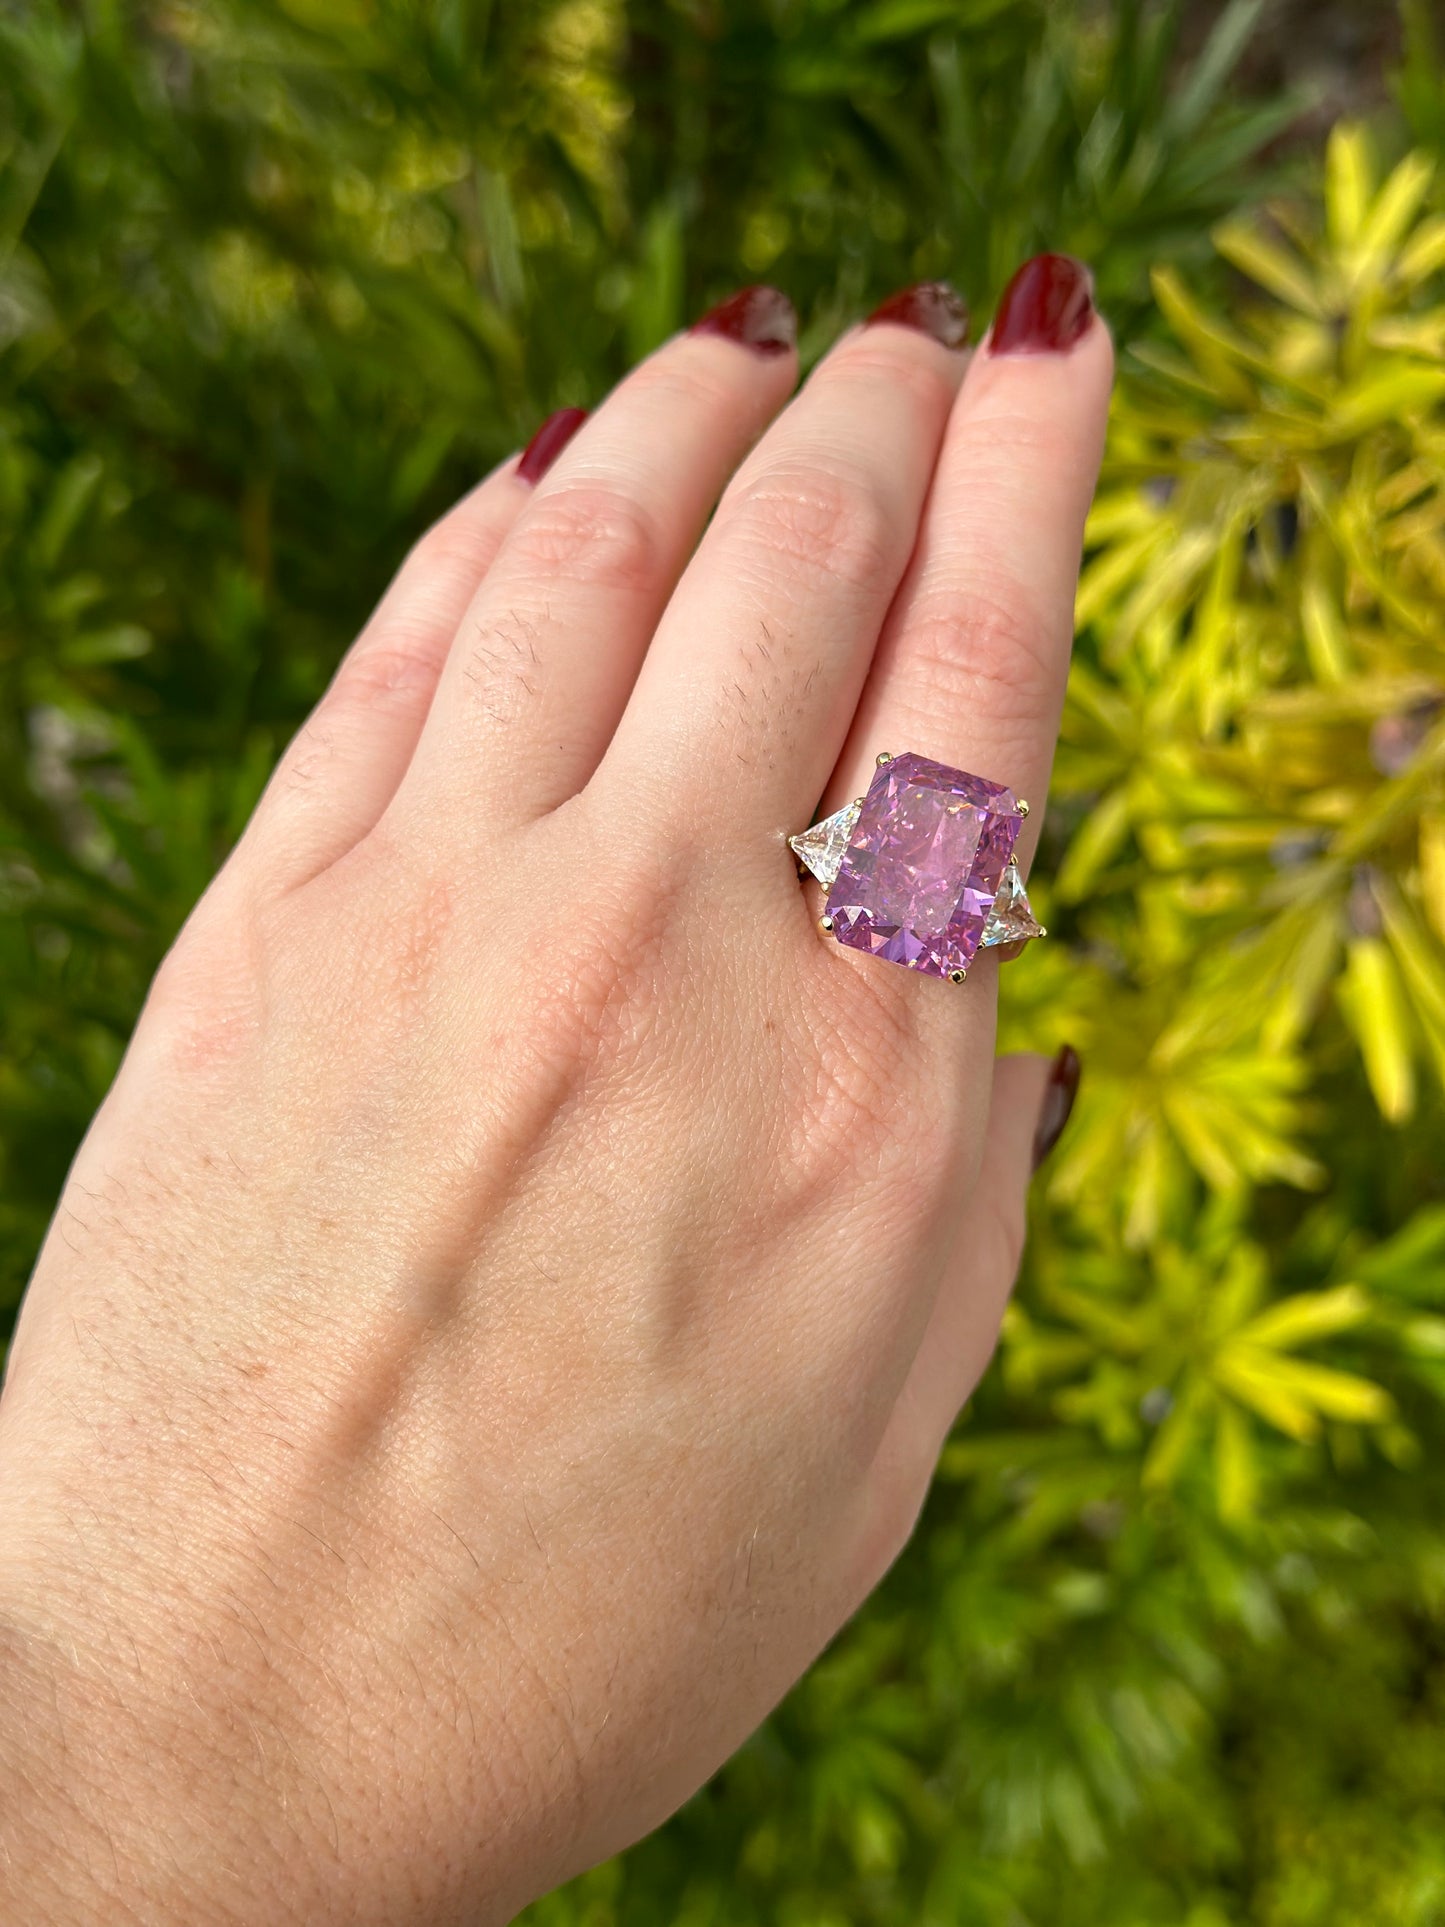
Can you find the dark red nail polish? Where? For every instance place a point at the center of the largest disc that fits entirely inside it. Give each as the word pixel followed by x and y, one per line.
pixel 1046 308
pixel 1059 1094
pixel 934 308
pixel 762 319
pixel 548 442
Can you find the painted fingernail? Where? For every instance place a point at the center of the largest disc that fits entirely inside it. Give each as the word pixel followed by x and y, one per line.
pixel 548 442
pixel 934 308
pixel 1059 1094
pixel 1046 308
pixel 761 318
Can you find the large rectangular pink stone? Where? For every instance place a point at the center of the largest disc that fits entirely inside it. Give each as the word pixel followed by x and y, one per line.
pixel 919 876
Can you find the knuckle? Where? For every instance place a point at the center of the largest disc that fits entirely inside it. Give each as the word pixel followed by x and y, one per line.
pixel 1013 443
pixel 454 541
pixel 386 675
pixel 669 385
pixel 206 1001
pixel 984 647
pixel 588 533
pixel 826 523
pixel 908 377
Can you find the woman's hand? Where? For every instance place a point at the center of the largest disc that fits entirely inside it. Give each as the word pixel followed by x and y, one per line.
pixel 505 1315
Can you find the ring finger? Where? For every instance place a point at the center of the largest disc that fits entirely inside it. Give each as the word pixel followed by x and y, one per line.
pixel 971 665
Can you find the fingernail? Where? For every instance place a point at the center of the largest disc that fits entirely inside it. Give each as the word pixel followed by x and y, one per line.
pixel 1059 1094
pixel 934 308
pixel 1046 308
pixel 548 442
pixel 761 318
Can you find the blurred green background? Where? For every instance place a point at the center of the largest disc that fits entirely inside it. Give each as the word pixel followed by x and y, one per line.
pixel 278 278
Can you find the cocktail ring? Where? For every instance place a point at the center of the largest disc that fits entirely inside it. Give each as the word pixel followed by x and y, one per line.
pixel 921 870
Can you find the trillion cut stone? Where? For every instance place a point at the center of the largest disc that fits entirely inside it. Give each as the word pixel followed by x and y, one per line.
pixel 1011 920
pixel 822 847
pixel 920 872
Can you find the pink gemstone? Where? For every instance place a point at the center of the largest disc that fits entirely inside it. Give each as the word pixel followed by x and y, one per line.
pixel 919 876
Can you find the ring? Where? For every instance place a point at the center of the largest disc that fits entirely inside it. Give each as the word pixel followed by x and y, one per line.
pixel 921 870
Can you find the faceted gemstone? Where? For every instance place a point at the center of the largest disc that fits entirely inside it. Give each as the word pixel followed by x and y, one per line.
pixel 923 866
pixel 822 847
pixel 1011 920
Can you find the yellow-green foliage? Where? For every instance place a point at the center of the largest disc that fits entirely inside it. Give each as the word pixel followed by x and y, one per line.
pixel 1264 719
pixel 1256 740
pixel 1234 1297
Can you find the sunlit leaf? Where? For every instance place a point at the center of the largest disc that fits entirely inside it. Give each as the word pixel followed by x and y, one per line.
pixel 1423 255
pixel 1333 1394
pixel 1385 394
pixel 1324 628
pixel 1349 183
pixel 1255 1382
pixel 1220 355
pixel 1306 1317
pixel 1373 1001
pixel 1432 869
pixel 1235 1470
pixel 1271 265
pixel 1395 207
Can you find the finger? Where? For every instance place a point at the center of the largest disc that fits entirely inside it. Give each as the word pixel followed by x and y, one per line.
pixel 972 663
pixel 343 767
pixel 1031 1100
pixel 547 652
pixel 757 664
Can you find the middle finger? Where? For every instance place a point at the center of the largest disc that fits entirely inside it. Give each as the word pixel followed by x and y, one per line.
pixel 760 656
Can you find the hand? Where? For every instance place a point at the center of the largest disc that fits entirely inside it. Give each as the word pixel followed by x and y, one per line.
pixel 504 1318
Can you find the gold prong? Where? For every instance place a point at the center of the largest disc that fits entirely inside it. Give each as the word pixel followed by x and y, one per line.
pixel 956 976
pixel 860 801
pixel 1023 807
pixel 885 757
pixel 1042 931
pixel 825 924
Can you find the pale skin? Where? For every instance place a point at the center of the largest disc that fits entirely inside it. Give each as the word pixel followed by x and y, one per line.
pixel 505 1316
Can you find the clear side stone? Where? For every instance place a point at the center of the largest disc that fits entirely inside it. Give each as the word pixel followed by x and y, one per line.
pixel 1010 920
pixel 822 847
